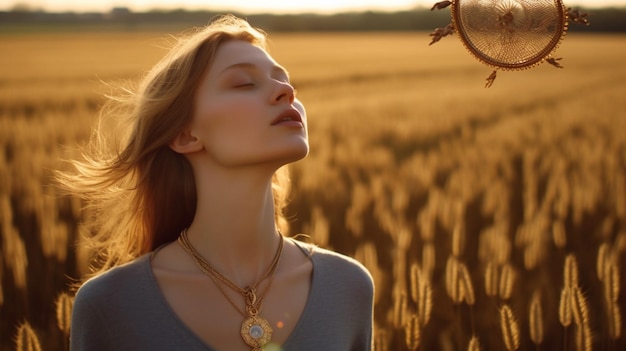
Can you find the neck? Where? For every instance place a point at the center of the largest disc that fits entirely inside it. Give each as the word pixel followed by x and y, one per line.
pixel 234 226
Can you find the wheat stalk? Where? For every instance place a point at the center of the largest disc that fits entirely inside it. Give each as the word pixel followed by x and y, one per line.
pixel 26 339
pixel 381 340
pixel 615 321
pixel 536 319
pixel 466 285
pixel 610 278
pixel 611 282
pixel 412 332
pixel 400 307
pixel 421 294
pixel 583 338
pixel 474 344
pixel 510 330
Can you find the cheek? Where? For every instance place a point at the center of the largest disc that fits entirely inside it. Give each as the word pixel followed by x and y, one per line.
pixel 208 123
pixel 209 116
pixel 223 123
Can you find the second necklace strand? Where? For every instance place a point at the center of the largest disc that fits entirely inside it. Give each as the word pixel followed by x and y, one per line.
pixel 256 332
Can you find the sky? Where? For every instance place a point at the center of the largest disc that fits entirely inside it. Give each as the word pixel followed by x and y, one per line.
pixel 252 6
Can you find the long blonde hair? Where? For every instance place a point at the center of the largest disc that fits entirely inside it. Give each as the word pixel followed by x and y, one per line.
pixel 142 195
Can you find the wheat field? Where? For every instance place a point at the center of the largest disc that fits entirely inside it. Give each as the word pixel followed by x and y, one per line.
pixel 490 219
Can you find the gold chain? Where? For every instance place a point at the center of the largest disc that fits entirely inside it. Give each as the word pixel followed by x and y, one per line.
pixel 252 322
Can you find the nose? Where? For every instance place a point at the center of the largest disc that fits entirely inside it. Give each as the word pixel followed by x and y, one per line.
pixel 283 92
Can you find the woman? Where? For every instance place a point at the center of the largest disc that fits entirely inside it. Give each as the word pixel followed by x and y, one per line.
pixel 188 215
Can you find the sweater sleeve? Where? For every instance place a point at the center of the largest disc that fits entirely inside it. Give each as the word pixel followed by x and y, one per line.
pixel 365 310
pixel 348 298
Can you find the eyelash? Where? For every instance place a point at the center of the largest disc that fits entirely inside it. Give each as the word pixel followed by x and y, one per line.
pixel 251 84
pixel 245 85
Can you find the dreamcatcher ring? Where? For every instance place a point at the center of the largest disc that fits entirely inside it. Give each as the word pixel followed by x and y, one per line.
pixel 509 34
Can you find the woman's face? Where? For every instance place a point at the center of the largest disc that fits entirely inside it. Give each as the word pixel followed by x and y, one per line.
pixel 246 112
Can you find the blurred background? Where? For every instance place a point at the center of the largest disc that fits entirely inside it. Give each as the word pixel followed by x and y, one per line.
pixel 468 205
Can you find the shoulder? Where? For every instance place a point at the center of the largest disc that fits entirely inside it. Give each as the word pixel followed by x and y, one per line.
pixel 340 305
pixel 115 282
pixel 338 267
pixel 100 313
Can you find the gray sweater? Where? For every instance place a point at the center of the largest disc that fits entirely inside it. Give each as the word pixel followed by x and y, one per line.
pixel 123 309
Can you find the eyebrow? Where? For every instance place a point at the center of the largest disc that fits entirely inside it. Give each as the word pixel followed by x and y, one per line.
pixel 249 65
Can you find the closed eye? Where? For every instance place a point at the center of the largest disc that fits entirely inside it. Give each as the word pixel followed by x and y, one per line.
pixel 244 85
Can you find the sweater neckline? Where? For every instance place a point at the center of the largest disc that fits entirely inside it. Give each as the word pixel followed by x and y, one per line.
pixel 307 250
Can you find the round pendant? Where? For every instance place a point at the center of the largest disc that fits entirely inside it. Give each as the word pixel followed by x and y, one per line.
pixel 256 332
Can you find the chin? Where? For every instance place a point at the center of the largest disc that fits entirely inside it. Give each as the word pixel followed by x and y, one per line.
pixel 297 153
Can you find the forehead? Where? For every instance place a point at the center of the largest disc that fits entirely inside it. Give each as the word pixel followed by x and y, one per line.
pixel 233 53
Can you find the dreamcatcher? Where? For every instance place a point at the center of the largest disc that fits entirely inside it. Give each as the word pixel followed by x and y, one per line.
pixel 509 34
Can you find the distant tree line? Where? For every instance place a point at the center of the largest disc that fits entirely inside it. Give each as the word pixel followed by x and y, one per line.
pixel 419 19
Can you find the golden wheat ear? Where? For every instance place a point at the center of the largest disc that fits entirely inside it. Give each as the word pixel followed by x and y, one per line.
pixel 466 284
pixel 491 279
pixel 611 282
pixel 421 294
pixel 64 303
pixel 26 338
pixel 506 281
pixel 510 329
pixel 536 319
pixel 570 271
pixel 580 308
pixel 453 282
pixel 565 307
pixel 413 333
pixel 615 321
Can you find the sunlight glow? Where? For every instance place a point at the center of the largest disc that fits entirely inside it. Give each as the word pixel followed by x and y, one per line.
pixel 253 6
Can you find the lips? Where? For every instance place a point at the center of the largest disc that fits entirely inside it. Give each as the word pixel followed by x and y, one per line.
pixel 288 117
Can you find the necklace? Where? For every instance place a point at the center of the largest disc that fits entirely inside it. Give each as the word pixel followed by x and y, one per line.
pixel 256 332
